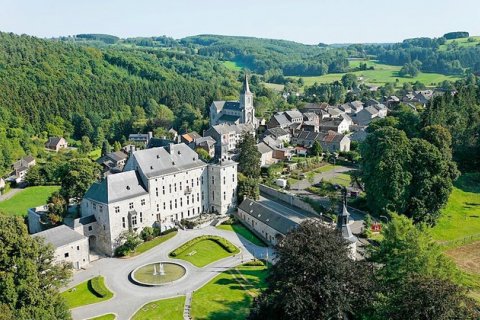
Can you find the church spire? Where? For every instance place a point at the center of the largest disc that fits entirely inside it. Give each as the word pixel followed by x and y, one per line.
pixel 343 219
pixel 246 88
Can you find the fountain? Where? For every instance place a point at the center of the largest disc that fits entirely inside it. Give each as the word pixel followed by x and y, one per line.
pixel 158 273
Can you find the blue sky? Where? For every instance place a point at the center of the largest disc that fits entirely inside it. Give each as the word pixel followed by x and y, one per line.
pixel 307 21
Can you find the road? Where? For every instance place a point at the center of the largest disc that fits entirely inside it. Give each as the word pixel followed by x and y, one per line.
pixel 128 297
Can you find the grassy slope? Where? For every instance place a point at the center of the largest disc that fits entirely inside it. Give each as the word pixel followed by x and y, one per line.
pixel 244 232
pixel 462 43
pixel 152 243
pixel 207 251
pixel 28 198
pixel 461 216
pixel 166 309
pixel 83 295
pixel 225 298
pixel 382 74
pixel 109 316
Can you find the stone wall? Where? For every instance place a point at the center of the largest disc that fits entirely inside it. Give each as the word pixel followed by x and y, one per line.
pixel 289 198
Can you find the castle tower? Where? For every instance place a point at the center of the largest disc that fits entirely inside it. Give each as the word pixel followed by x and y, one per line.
pixel 246 104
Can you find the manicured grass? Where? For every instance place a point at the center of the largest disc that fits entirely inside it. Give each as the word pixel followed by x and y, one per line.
pixel 28 198
pixel 380 75
pixel 204 252
pixel 461 217
pixel 229 295
pixel 342 179
pixel 145 246
pixel 83 294
pixel 166 309
pixel 109 316
pixel 244 232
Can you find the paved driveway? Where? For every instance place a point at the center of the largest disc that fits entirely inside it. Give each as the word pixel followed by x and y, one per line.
pixel 128 297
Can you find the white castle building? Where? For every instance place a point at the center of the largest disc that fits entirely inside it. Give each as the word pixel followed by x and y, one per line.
pixel 158 186
pixel 234 112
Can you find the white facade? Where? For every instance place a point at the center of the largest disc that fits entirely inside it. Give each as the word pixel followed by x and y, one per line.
pixel 160 186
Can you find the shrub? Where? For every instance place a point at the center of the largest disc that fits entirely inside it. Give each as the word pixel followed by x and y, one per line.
pixel 230 221
pixel 98 287
pixel 169 231
pixel 255 263
pixel 130 243
pixel 225 244
pixel 188 223
pixel 147 234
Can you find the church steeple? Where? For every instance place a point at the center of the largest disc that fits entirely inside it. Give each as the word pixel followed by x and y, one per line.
pixel 246 87
pixel 343 219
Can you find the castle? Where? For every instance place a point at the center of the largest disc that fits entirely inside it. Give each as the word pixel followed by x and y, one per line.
pixel 159 186
pixel 235 112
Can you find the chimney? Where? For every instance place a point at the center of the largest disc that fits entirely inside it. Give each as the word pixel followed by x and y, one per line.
pixel 149 135
pixel 169 148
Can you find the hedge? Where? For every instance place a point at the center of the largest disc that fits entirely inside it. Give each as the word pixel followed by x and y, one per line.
pixel 255 263
pixel 224 243
pixel 98 287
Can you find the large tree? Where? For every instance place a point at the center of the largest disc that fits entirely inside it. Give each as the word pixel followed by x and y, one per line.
pixel 385 158
pixel 314 278
pixel 78 175
pixel 249 158
pixel 29 279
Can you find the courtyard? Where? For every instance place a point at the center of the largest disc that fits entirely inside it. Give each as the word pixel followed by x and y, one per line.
pixel 130 299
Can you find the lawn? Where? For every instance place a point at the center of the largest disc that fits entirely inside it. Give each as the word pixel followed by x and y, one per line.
pixel 461 217
pixel 83 294
pixel 382 74
pixel 203 253
pixel 229 295
pixel 25 199
pixel 244 232
pixel 145 246
pixel 109 316
pixel 342 179
pixel 274 86
pixel 166 309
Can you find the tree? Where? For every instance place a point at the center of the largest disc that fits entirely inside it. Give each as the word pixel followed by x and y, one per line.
pixel 117 146
pixel 247 188
pixel 386 155
pixel 57 208
pixel 249 158
pixel 316 148
pixel 29 277
pixel 86 146
pixel 78 176
pixel 408 250
pixel 203 154
pixel 349 81
pixel 314 278
pixel 105 148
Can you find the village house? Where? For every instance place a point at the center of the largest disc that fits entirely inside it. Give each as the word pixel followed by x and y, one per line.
pixel 141 137
pixel 56 143
pixel 113 162
pixel 20 169
pixel 278 134
pixel 330 141
pixel 189 138
pixel 279 120
pixel 341 125
pixel 227 136
pixel 207 144
pixel 266 154
pixel 365 116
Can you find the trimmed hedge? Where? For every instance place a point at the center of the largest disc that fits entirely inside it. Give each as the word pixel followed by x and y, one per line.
pixel 255 263
pixel 224 243
pixel 98 287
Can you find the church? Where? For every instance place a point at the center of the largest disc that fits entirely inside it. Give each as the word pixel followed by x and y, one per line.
pixel 235 112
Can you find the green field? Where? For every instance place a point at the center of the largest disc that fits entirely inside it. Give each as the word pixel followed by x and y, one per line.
pixel 203 253
pixel 232 65
pixel 109 316
pixel 83 294
pixel 29 198
pixel 342 179
pixel 462 43
pixel 461 216
pixel 229 295
pixel 244 232
pixel 145 246
pixel 166 309
pixel 274 86
pixel 382 74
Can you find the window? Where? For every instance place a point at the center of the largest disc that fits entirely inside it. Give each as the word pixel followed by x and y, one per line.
pixel 213 195
pixel 233 177
pixel 164 208
pixel 156 191
pixel 197 181
pixel 170 188
pixel 181 202
pixel 134 220
pixel 163 189
pixel 158 216
pixel 175 187
pixel 94 206
pixel 193 199
pixel 142 202
pixel 130 205
pixel 192 183
pixel 202 179
pixel 123 222
pixel 117 209
pixel 101 208
pixel 203 196
pixel 188 200
pixel 175 203
pixel 66 254
pixel 78 248
pixel 188 213
pixel 193 211
pixel 213 180
pixel 170 204
pixel 158 207
pixel 224 180
pixel 141 217
pixel 198 197
pixel 224 195
pixel 180 185
pixel 90 228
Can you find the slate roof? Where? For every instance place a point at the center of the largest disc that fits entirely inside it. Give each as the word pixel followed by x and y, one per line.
pixel 371 110
pixel 53 141
pixel 356 105
pixel 291 114
pixel 328 137
pixel 23 163
pixel 209 141
pixel 117 187
pixel 228 118
pixel 224 128
pixel 263 148
pixel 271 218
pixel 281 119
pixel 60 236
pixel 276 132
pixel 159 142
pixel 227 105
pixel 160 161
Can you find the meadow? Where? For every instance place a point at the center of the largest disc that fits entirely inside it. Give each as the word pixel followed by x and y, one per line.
pixel 28 198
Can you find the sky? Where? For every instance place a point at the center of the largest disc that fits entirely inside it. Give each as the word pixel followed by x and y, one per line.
pixel 306 21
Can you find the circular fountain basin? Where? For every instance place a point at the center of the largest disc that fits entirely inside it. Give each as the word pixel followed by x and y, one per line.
pixel 158 273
